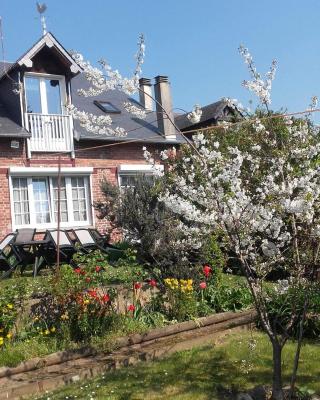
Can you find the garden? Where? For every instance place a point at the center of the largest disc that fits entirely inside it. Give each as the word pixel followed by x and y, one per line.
pixel 231 224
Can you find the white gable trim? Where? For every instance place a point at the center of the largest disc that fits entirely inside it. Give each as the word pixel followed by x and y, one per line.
pixel 49 41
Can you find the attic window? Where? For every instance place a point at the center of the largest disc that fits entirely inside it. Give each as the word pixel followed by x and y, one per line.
pixel 107 107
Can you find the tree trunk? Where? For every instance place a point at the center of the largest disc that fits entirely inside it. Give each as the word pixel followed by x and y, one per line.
pixel 277 392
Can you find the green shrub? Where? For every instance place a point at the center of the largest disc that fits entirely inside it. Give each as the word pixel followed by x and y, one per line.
pixel 161 238
pixel 227 293
pixel 280 308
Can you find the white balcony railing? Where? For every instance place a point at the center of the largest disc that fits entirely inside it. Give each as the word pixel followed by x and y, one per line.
pixel 51 132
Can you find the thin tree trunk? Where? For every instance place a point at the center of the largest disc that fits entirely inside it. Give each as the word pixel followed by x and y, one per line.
pixel 297 355
pixel 277 392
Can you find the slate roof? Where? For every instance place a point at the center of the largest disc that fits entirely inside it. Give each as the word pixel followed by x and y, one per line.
pixel 4 66
pixel 144 129
pixel 210 114
pixel 8 128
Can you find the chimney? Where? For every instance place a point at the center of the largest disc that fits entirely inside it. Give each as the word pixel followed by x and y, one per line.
pixel 162 94
pixel 145 93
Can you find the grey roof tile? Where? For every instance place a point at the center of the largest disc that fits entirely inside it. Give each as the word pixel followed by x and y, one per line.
pixel 210 113
pixel 4 67
pixel 9 128
pixel 145 130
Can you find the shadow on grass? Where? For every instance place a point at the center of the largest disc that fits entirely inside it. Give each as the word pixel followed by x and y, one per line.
pixel 209 373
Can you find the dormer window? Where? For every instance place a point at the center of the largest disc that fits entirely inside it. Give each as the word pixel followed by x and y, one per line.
pixel 45 94
pixel 107 107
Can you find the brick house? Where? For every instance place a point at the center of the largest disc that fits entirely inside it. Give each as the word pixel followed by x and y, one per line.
pixel 35 129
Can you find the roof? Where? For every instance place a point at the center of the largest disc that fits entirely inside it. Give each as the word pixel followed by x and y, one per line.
pixel 144 129
pixel 4 67
pixel 210 113
pixel 47 40
pixel 9 128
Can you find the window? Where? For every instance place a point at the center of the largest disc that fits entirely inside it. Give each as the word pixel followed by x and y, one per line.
pixel 129 173
pixel 35 201
pixel 21 201
pixel 45 94
pixel 107 107
pixel 129 180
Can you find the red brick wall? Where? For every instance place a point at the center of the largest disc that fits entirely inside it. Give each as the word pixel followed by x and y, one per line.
pixel 104 160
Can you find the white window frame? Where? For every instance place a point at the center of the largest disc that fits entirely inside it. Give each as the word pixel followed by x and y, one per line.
pixel 49 173
pixel 138 169
pixel 43 92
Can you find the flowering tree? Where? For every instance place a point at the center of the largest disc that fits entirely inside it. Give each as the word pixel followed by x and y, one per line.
pixel 257 184
pixel 102 80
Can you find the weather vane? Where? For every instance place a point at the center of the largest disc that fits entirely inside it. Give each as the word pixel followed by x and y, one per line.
pixel 41 10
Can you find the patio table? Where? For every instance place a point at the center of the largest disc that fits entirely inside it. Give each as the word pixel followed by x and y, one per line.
pixel 35 249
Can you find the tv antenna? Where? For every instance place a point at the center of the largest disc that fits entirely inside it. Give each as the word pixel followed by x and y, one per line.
pixel 41 10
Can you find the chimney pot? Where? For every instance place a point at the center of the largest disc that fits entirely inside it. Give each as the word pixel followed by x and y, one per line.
pixel 162 93
pixel 145 93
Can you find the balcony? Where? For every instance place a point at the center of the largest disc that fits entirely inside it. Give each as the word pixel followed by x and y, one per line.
pixel 49 132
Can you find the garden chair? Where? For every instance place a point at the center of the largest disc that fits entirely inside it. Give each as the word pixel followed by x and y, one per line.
pixel 50 248
pixel 88 240
pixel 23 248
pixel 9 259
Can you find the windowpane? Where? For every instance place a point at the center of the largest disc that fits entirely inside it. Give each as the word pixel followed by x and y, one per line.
pixel 53 96
pixel 63 200
pixel 129 180
pixel 20 201
pixel 41 200
pixel 33 95
pixel 79 199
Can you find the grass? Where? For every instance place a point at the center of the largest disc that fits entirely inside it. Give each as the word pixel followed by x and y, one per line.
pixel 200 374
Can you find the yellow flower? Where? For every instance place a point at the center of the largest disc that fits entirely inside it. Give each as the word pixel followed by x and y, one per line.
pixel 9 335
pixel 53 329
pixel 64 317
pixel 47 332
pixel 36 318
pixel 10 306
pixel 86 301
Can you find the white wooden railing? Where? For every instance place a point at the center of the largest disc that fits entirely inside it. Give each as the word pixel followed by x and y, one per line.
pixel 51 132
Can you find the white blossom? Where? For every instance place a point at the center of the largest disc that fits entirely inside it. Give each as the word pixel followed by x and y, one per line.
pixel 195 115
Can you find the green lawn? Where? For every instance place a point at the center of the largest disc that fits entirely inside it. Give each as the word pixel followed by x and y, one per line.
pixel 199 374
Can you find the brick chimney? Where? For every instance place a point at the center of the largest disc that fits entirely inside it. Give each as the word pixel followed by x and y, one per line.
pixel 162 93
pixel 145 93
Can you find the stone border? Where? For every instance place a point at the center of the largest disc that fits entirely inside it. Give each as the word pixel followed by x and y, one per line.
pixel 46 374
pixel 134 339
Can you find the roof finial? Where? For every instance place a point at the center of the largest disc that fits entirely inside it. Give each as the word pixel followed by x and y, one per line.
pixel 41 9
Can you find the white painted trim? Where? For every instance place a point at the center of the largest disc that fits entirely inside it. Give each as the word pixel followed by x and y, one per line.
pixel 50 41
pixel 43 93
pixel 92 210
pixel 49 171
pixel 139 168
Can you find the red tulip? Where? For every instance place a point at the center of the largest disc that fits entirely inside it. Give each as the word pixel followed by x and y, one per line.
pixel 92 293
pixel 202 285
pixel 137 285
pixel 152 282
pixel 88 279
pixel 131 307
pixel 105 298
pixel 98 269
pixel 77 270
pixel 207 270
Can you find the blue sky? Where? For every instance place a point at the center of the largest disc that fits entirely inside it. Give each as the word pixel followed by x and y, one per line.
pixel 193 42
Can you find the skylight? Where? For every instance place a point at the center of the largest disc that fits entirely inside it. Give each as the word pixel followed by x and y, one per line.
pixel 107 107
